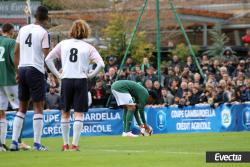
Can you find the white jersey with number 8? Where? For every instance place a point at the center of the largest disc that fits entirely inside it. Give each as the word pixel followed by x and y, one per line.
pixel 32 39
pixel 75 56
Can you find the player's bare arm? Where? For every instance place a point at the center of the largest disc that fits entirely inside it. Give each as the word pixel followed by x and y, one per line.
pixel 16 59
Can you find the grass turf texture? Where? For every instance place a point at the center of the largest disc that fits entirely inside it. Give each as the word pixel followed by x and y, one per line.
pixel 170 150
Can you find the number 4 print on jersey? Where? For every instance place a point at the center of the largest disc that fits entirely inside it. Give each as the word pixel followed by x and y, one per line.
pixel 28 40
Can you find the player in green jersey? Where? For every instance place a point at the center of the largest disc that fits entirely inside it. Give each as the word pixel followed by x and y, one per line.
pixel 8 85
pixel 133 97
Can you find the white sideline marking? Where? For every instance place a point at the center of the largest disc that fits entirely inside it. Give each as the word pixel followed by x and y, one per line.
pixel 141 151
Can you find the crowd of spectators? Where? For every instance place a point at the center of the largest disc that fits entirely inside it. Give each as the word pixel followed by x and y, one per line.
pixel 225 80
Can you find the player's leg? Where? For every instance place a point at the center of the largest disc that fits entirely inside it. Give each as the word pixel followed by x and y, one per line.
pixel 3 121
pixel 36 83
pixel 38 125
pixel 3 129
pixel 12 92
pixel 21 144
pixel 23 96
pixel 77 128
pixel 129 119
pixel 65 126
pixel 18 124
pixel 137 118
pixel 66 104
pixel 124 118
pixel 80 105
pixel 12 96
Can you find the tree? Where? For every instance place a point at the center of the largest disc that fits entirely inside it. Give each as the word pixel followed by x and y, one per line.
pixel 117 34
pixel 141 48
pixel 182 51
pixel 219 40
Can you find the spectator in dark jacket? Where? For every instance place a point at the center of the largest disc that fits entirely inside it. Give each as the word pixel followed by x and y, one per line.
pixel 195 98
pixel 169 77
pixel 221 96
pixel 52 99
pixel 181 92
pixel 157 89
pixel 99 94
pixel 243 93
pixel 129 64
pixel 174 87
pixel 191 65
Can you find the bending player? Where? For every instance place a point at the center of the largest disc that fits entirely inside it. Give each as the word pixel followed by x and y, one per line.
pixel 132 96
pixel 75 55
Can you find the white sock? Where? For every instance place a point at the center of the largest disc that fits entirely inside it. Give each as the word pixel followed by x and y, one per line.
pixel 65 125
pixel 37 127
pixel 77 128
pixel 17 125
pixel 3 130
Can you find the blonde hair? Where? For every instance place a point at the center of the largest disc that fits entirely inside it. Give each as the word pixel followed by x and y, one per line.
pixel 80 30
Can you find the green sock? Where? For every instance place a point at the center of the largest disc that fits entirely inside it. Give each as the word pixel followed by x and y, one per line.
pixel 124 119
pixel 129 119
pixel 137 118
pixel 142 115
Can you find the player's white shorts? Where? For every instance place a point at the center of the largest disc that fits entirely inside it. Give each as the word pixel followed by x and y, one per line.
pixel 123 98
pixel 9 94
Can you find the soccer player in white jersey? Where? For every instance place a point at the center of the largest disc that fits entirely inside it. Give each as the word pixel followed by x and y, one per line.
pixel 75 55
pixel 32 45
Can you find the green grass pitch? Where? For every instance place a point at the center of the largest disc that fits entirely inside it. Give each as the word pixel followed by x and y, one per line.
pixel 169 150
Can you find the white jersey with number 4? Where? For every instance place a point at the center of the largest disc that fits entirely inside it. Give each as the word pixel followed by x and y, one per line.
pixel 32 39
pixel 75 56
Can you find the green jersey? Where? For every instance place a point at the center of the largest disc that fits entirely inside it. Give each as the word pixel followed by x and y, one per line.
pixel 7 67
pixel 137 91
